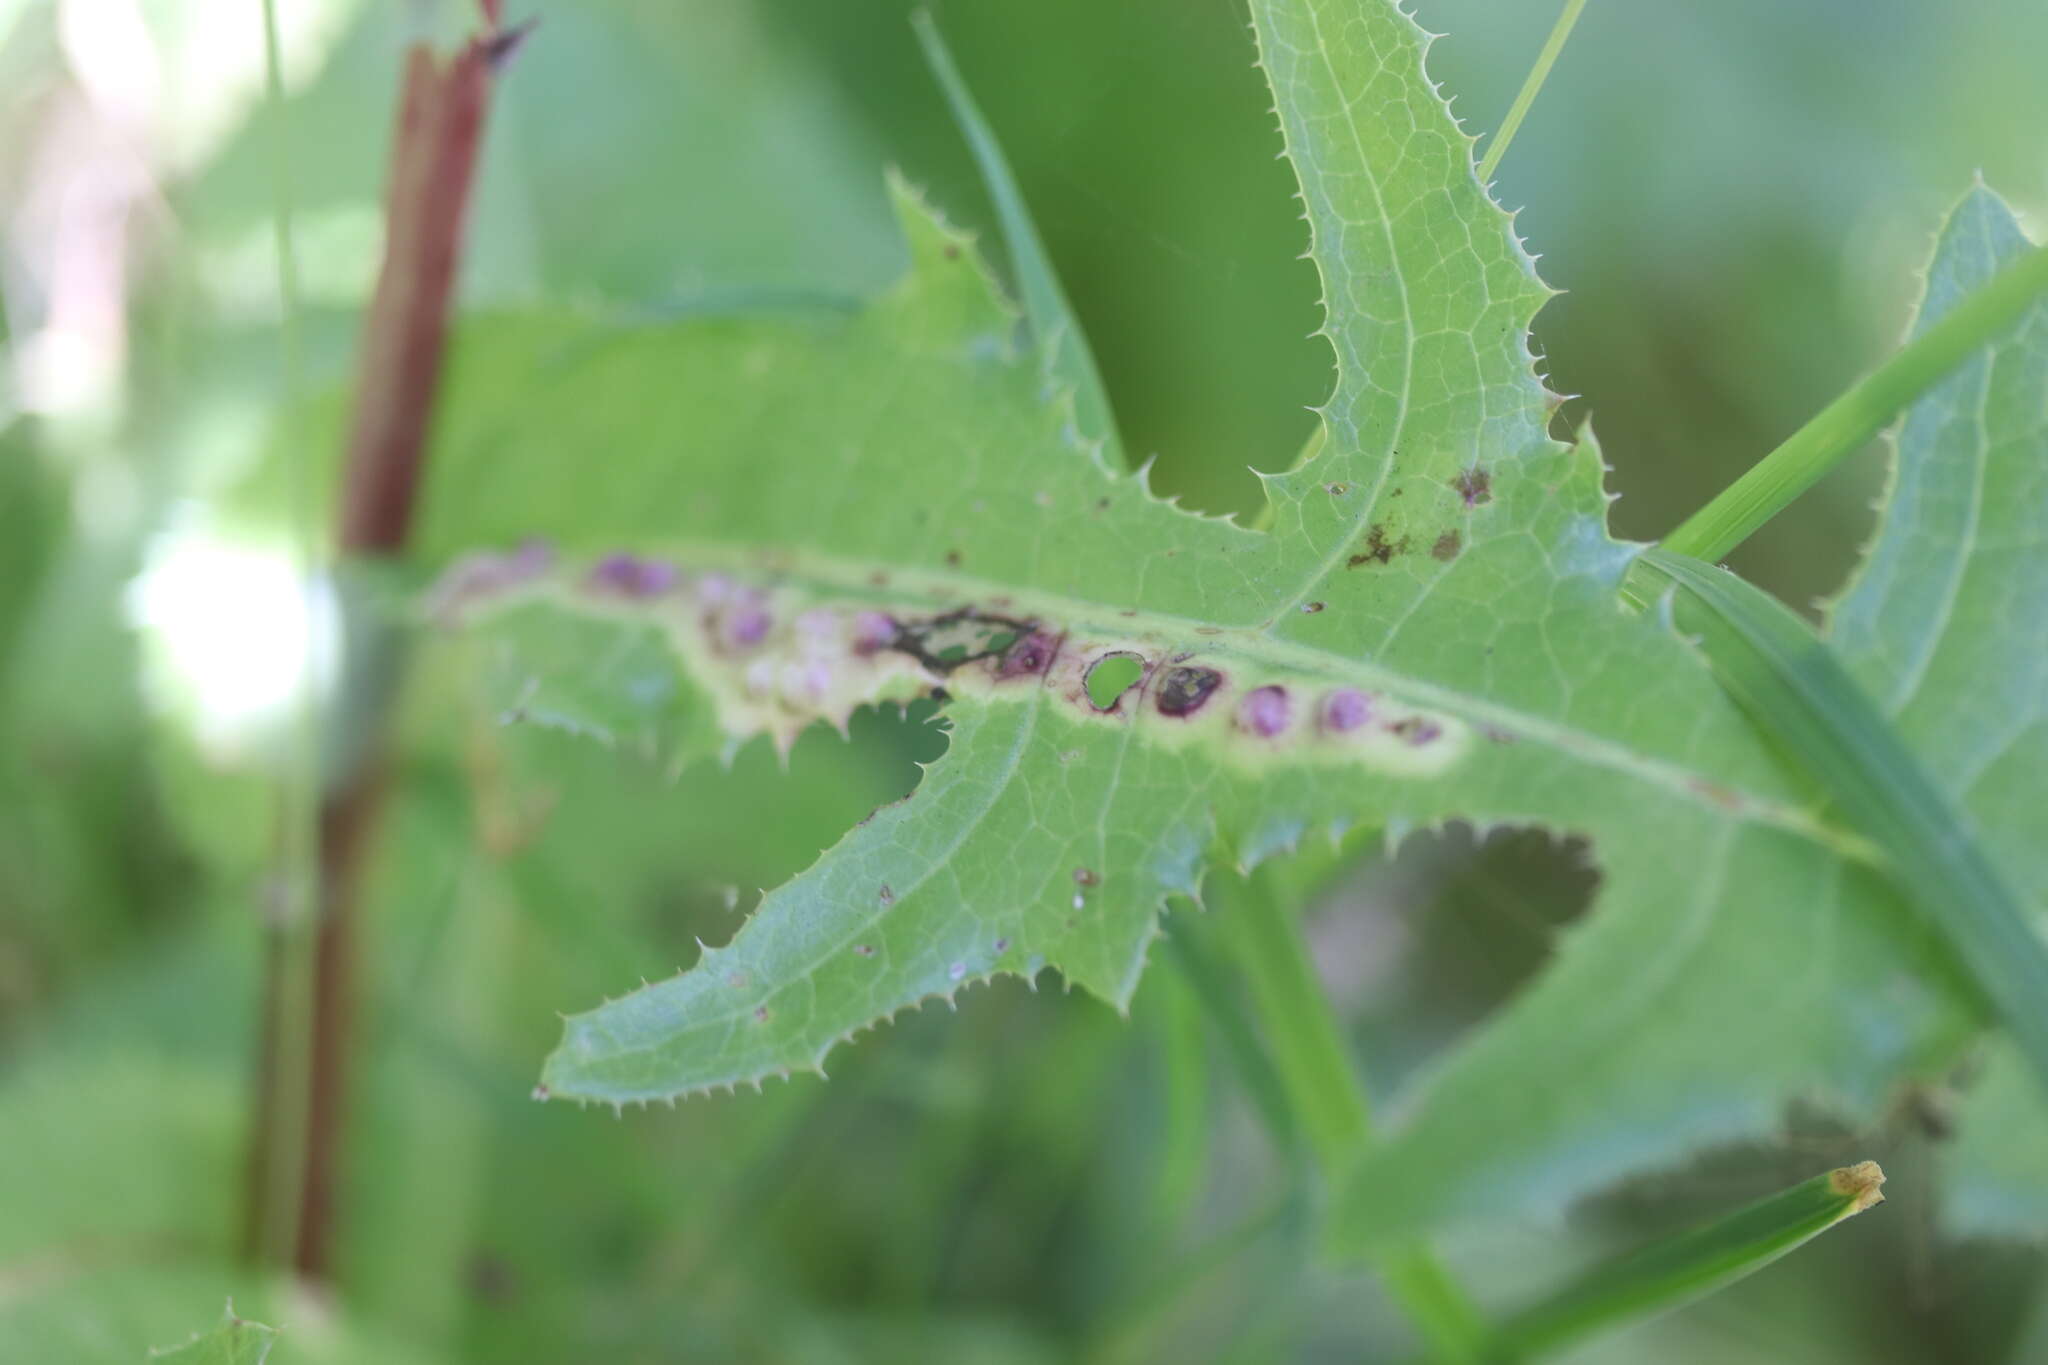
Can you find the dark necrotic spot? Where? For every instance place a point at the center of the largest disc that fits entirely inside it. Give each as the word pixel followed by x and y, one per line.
pixel 1378 547
pixel 1447 546
pixel 1183 690
pixel 1475 486
pixel 1110 676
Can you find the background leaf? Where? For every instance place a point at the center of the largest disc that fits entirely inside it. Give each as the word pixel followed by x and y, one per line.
pixel 1943 625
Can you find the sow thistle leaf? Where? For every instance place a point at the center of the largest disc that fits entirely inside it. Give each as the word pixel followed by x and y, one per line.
pixel 851 509
pixel 1946 626
pixel 233 1341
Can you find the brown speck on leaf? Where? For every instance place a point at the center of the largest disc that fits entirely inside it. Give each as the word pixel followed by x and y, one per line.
pixel 1208 630
pixel 1084 876
pixel 952 559
pixel 952 251
pixel 863 950
pixel 1398 492
pixel 1311 608
pixel 1337 490
pixel 1417 731
pixel 1723 796
pixel 878 579
pixel 887 897
pixel 1475 486
pixel 1102 504
pixel 1447 546
pixel 1377 549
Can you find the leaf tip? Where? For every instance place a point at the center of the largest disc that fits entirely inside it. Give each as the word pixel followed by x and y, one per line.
pixel 1862 1183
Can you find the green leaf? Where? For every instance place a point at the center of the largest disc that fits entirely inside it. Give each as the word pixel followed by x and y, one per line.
pixel 1797 691
pixel 1946 626
pixel 233 1342
pixel 1437 572
pixel 1689 1265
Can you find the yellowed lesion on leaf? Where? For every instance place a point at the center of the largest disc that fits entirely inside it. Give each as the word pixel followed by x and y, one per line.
pixel 1862 1183
pixel 775 657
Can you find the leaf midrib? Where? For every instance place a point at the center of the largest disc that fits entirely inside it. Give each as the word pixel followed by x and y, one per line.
pixel 856 582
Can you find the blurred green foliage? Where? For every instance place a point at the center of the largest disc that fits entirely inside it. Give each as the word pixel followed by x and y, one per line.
pixel 1734 197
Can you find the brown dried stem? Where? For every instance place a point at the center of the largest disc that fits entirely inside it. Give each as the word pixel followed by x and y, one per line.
pixel 440 125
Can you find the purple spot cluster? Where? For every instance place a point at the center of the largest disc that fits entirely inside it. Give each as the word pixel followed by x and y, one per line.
pixel 743 625
pixel 873 630
pixel 737 617
pixel 628 575
pixel 484 575
pixel 1345 709
pixel 1265 710
pixel 534 557
pixel 1269 711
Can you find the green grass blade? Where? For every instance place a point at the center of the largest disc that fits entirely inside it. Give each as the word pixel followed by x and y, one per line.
pixel 1691 1264
pixel 1190 953
pixel 1567 19
pixel 1796 690
pixel 1845 424
pixel 1061 343
pixel 1306 1042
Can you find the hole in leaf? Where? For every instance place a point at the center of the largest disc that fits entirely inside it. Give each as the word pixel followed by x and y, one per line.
pixel 1420 947
pixel 1110 676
